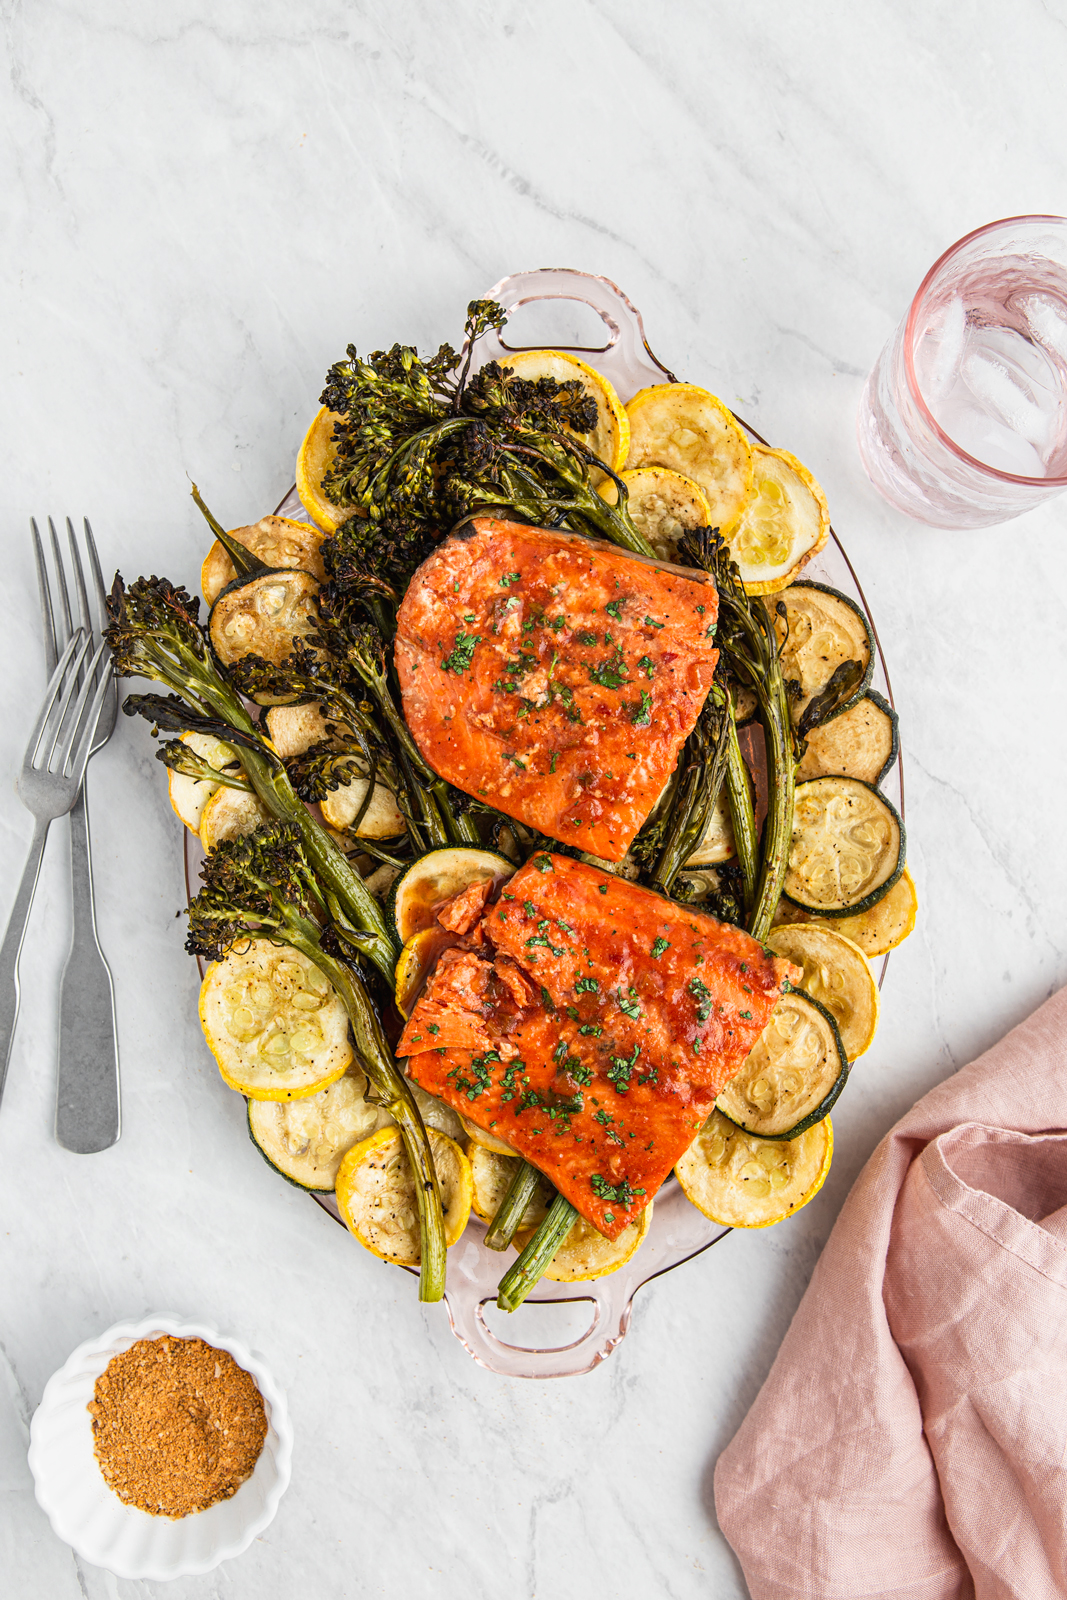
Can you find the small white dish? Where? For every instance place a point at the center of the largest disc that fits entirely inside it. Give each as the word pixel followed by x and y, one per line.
pixel 88 1515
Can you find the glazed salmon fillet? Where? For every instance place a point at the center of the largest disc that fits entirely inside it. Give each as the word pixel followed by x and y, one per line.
pixel 555 677
pixel 592 1029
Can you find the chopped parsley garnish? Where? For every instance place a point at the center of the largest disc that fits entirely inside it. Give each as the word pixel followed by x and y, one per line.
pixel 603 888
pixel 546 999
pixel 658 947
pixel 510 756
pixel 610 674
pixel 614 609
pixel 432 1027
pixel 529 908
pixel 543 863
pixel 557 624
pixel 586 638
pixel 621 1070
pixel 591 1028
pixel 653 623
pixel 587 986
pixel 621 1194
pixel 572 1012
pixel 702 995
pixel 481 1079
pixel 508 579
pixel 646 667
pixel 462 652
pixel 630 1006
pixel 552 763
pixel 641 715
pixel 746 1014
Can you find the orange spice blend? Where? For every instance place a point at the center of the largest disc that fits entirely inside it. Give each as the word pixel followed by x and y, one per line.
pixel 177 1425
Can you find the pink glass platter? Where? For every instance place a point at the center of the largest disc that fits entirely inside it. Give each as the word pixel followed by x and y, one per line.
pixel 678 1232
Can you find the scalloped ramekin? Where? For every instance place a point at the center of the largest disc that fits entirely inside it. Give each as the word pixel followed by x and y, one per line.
pixel 88 1515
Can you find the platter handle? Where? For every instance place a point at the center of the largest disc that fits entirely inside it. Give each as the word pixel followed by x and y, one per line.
pixel 626 359
pixel 608 1312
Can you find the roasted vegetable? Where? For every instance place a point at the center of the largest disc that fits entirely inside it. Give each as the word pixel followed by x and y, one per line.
pixel 847 849
pixel 261 886
pixel 741 1181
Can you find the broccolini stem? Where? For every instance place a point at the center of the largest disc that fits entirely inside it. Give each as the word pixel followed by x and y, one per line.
pixel 742 816
pixel 524 1274
pixel 781 783
pixel 395 1095
pixel 512 1208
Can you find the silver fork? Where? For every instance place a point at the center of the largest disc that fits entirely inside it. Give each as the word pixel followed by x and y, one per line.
pixel 87 1078
pixel 51 775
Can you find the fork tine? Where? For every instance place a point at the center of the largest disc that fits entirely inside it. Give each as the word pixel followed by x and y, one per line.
pixel 76 758
pixel 48 622
pixel 57 697
pixel 79 580
pixel 61 578
pixel 98 576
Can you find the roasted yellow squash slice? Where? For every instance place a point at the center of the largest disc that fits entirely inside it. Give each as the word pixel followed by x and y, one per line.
pixel 836 974
pixel 610 439
pixel 189 796
pixel 263 616
pixel 586 1254
pixel 860 743
pixel 435 1114
pixel 413 966
pixel 847 848
pixel 784 524
pixel 294 729
pixel 306 1140
pixel 683 427
pixel 491 1175
pixel 312 464
pixel 663 505
pixel 228 814
pixel 875 931
pixel 486 1138
pixel 740 1181
pixel 275 541
pixel 376 1194
pixel 273 1022
pixel 382 818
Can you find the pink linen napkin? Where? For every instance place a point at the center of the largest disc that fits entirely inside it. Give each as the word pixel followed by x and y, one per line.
pixel 911 1438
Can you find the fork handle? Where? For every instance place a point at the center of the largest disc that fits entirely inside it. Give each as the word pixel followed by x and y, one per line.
pixel 12 946
pixel 87 1084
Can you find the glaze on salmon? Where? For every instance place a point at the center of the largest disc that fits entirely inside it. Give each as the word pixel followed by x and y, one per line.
pixel 592 1029
pixel 555 677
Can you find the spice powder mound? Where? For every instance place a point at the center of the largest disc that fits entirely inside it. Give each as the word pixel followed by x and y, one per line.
pixel 177 1425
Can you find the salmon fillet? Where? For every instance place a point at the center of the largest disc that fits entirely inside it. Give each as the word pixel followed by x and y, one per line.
pixel 555 677
pixel 601 1065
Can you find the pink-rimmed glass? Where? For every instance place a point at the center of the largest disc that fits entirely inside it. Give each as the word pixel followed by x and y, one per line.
pixel 566 1329
pixel 963 422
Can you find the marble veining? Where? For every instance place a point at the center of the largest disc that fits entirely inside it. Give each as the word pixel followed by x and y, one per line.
pixel 202 207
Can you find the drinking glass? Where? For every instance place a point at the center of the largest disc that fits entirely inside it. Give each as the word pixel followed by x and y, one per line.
pixel 963 423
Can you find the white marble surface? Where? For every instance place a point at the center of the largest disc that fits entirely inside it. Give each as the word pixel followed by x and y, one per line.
pixel 203 204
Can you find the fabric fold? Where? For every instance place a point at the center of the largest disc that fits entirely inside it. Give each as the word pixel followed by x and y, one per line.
pixel 922 1450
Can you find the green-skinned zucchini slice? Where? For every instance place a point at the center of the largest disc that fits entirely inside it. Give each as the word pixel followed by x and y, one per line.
pixel 822 630
pixel 491 1175
pixel 847 849
pixel 434 878
pixel 263 616
pixel 306 1140
pixel 275 541
pixel 862 742
pixel 717 841
pixel 792 1075
pixel 740 1181
pixel 835 972
pixel 875 931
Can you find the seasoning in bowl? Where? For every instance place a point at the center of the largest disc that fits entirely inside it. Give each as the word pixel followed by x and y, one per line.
pixel 177 1425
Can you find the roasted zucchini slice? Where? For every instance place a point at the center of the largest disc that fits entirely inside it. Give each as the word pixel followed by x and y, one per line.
pixel 273 1022
pixel 876 931
pixel 862 742
pixel 792 1076
pixel 275 541
pixel 837 975
pixel 663 505
pixel 610 439
pixel 382 818
pixel 740 1181
pixel 847 848
pixel 586 1254
pixel 491 1175
pixel 294 729
pixel 228 814
pixel 306 1140
pixel 312 464
pixel 683 427
pixel 822 632
pixel 485 1138
pixel 784 524
pixel 376 1193
pixel 189 796
pixel 436 877
pixel 263 616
